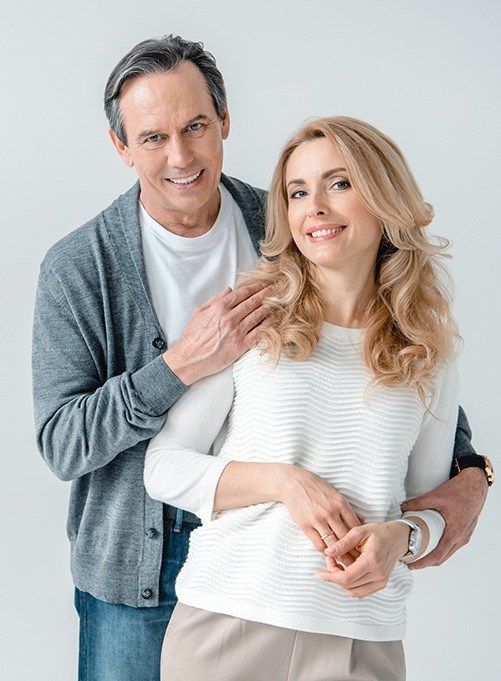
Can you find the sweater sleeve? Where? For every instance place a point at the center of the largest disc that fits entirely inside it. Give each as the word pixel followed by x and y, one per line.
pixel 431 455
pixel 82 420
pixel 177 469
pixel 430 459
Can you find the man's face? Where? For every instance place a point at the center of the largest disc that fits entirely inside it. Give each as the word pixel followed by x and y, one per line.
pixel 174 140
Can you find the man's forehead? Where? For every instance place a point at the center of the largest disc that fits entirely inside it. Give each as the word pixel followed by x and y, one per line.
pixel 174 97
pixel 183 85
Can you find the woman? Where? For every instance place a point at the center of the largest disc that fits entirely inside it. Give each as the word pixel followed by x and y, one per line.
pixel 347 406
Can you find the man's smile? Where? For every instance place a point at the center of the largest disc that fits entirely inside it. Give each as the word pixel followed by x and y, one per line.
pixel 182 181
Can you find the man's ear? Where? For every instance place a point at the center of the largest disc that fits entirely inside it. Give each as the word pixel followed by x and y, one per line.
pixel 225 124
pixel 122 149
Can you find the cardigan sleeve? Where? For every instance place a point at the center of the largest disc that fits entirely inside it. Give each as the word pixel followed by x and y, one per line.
pixel 462 440
pixel 82 420
pixel 177 469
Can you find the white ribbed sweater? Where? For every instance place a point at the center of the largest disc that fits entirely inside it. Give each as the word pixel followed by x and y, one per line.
pixel 377 448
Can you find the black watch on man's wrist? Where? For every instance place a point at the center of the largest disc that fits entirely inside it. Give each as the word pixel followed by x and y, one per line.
pixel 474 460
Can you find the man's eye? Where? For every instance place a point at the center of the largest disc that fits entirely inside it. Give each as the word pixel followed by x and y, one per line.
pixel 152 139
pixel 196 129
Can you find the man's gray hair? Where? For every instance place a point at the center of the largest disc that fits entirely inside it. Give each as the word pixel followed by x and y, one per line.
pixel 159 55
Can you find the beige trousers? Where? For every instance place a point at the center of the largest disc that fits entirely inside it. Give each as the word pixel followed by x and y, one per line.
pixel 204 646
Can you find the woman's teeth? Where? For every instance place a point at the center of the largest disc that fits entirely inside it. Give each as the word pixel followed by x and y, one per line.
pixel 325 232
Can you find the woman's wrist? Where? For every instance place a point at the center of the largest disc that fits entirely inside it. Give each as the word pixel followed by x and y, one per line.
pixel 284 479
pixel 400 532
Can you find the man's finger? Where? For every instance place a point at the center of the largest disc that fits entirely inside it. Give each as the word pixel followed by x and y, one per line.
pixel 435 558
pixel 247 293
pixel 416 504
pixel 252 336
pixel 254 319
pixel 215 298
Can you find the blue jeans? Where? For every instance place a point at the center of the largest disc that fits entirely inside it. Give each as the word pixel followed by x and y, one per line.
pixel 121 643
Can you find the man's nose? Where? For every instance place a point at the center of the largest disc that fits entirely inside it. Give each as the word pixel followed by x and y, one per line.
pixel 179 154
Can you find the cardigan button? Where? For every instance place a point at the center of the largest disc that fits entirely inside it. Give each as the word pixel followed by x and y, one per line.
pixel 146 593
pixel 152 533
pixel 158 343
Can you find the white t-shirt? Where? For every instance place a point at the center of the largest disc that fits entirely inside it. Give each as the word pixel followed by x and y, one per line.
pixel 184 272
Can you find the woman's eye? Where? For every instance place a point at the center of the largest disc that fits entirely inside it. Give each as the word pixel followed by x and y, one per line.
pixel 341 184
pixel 299 194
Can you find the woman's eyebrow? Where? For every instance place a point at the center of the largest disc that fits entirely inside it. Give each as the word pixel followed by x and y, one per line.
pixel 325 175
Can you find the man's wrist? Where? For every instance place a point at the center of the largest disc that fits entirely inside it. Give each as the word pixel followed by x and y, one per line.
pixel 179 366
pixel 473 462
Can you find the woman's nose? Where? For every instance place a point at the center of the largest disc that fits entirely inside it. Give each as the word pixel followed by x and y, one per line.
pixel 315 209
pixel 317 203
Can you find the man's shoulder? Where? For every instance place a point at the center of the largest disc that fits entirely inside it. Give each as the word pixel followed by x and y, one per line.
pixel 81 244
pixel 243 192
pixel 251 201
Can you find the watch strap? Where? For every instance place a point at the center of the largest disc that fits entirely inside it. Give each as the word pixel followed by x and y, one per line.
pixel 473 461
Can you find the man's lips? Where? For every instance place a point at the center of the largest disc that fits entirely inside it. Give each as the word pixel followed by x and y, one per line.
pixel 184 181
pixel 322 232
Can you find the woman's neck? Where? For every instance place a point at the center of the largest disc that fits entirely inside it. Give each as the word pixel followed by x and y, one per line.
pixel 345 296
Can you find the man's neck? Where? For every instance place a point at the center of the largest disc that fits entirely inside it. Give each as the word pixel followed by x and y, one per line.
pixel 188 225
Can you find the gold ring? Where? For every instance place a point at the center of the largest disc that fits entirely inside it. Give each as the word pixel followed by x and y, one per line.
pixel 327 535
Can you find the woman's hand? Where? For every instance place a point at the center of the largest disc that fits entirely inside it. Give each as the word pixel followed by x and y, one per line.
pixel 319 510
pixel 380 546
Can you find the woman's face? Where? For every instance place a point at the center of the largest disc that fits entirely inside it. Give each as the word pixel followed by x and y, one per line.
pixel 329 223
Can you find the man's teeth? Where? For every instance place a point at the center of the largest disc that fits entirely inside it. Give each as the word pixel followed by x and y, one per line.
pixel 186 180
pixel 324 232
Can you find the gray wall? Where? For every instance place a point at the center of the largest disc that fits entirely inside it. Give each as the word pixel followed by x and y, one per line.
pixel 427 73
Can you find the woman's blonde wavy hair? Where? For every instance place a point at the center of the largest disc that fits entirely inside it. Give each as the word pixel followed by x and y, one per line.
pixel 408 327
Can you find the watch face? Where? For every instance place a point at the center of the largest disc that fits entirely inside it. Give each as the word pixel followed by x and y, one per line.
pixel 415 539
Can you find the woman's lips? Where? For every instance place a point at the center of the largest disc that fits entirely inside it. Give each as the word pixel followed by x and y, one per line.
pixel 324 232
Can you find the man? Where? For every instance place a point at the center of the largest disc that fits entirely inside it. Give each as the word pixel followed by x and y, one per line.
pixel 122 329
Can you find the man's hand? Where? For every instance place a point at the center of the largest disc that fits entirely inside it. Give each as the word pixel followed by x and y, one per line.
pixel 460 501
pixel 218 333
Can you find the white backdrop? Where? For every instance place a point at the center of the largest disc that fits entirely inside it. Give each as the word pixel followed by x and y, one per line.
pixel 426 73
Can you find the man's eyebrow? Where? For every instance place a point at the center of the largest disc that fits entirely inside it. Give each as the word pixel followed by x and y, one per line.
pixel 147 133
pixel 325 175
pixel 195 119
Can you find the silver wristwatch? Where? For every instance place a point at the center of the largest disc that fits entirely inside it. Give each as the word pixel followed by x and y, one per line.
pixel 415 538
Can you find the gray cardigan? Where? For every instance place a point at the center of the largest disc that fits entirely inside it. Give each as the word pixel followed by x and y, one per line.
pixel 102 390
